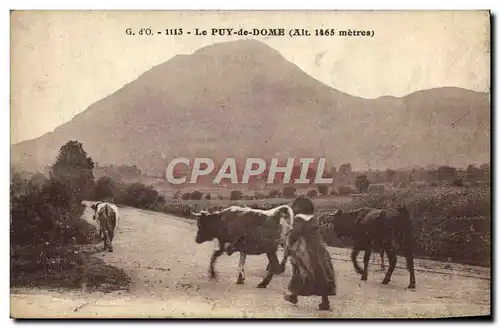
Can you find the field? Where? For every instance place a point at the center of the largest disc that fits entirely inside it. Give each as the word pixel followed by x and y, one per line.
pixel 449 223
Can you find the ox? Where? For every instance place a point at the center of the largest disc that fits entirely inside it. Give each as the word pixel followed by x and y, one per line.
pixel 248 231
pixel 344 223
pixel 107 216
pixel 382 228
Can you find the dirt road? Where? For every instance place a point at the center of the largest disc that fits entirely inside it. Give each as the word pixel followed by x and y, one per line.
pixel 169 279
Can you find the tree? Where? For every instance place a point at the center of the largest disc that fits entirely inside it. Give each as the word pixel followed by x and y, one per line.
pixel 323 190
pixel 73 168
pixel 105 188
pixel 362 182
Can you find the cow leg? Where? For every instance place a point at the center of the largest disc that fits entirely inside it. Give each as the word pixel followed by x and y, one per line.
pixel 391 255
pixel 110 236
pixel 354 255
pixel 215 256
pixel 382 265
pixel 411 268
pixel 241 274
pixel 273 261
pixel 282 265
pixel 366 261
pixel 104 231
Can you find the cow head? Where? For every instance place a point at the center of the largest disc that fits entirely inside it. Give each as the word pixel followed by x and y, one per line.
pixel 94 207
pixel 208 224
pixel 343 223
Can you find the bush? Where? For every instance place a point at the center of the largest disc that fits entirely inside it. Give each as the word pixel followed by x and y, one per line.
pixel 362 183
pixel 104 189
pixel 235 195
pixel 46 214
pixel 289 192
pixel 274 193
pixel 139 195
pixel 196 195
pixel 345 190
pixel 208 197
pixel 259 195
pixel 186 196
pixel 312 193
pixel 459 182
pixel 323 189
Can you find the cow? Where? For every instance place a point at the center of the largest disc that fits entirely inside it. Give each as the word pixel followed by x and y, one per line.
pixel 107 216
pixel 381 228
pixel 248 231
pixel 344 223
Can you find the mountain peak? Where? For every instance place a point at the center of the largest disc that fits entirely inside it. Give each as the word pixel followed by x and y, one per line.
pixel 244 99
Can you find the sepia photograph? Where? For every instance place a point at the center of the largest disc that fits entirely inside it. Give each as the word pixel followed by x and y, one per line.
pixel 250 164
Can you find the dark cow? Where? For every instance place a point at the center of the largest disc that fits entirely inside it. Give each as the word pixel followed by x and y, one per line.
pixel 382 228
pixel 248 231
pixel 106 214
pixel 345 226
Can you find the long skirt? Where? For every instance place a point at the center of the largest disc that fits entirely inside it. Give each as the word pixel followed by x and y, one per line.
pixel 312 269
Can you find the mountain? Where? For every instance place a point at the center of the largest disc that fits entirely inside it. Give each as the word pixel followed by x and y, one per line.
pixel 243 99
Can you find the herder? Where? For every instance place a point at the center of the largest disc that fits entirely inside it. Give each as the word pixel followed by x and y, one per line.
pixel 312 269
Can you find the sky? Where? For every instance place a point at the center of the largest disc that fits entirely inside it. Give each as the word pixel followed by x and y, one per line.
pixel 62 62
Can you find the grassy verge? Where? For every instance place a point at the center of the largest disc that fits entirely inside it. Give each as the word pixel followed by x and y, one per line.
pixel 63 267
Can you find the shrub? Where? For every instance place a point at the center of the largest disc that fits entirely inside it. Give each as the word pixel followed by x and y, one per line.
pixel 259 195
pixel 196 195
pixel 105 188
pixel 323 189
pixel 46 214
pixel 312 193
pixel 235 195
pixel 139 195
pixel 274 193
pixel 362 183
pixel 345 190
pixel 186 196
pixel 289 192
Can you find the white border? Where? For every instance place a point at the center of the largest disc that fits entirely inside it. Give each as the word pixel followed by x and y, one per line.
pixel 189 5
